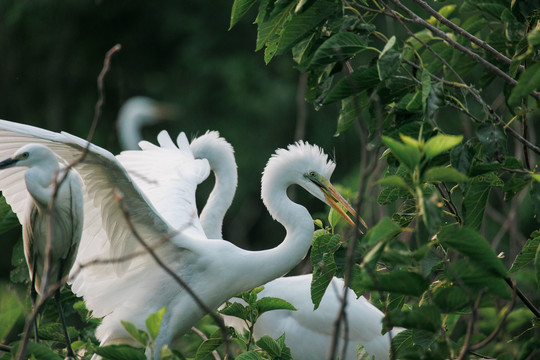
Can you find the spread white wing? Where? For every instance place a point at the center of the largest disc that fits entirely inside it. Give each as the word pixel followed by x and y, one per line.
pixel 168 175
pixel 106 231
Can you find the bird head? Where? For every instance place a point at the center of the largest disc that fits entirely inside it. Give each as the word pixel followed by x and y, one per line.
pixel 28 155
pixel 308 166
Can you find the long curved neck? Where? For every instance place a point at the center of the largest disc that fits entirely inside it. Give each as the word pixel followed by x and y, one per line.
pixel 298 223
pixel 220 156
pixel 39 180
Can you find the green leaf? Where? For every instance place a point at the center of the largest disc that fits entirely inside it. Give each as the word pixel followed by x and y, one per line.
pixel 537 267
pixel 55 332
pixel 389 60
pixel 36 351
pixel 239 9
pixel 475 198
pixel 302 24
pixel 426 317
pixel 11 309
pixel 397 281
pixel 269 345
pixel 120 352
pixel 393 180
pixel 528 82
pixel 268 303
pixel 338 48
pixel 443 173
pixel 206 348
pixel 140 336
pixel 408 156
pixel 153 322
pixel 361 79
pixel 351 109
pixel 527 253
pixel 8 219
pixel 250 355
pixel 471 244
pixel 323 242
pixel 384 231
pixel 271 27
pixel 235 309
pixel 440 143
pixel 323 272
pixel 478 278
pixel 450 299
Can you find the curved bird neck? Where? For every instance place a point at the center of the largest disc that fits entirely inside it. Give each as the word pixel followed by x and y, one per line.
pixel 220 156
pixel 39 180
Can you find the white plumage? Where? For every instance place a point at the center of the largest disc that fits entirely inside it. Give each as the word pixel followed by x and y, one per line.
pixel 308 332
pixel 215 269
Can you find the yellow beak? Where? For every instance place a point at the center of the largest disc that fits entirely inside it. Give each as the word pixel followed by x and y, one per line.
pixel 334 198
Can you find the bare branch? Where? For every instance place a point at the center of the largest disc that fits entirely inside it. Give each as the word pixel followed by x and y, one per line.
pixel 418 20
pixel 460 31
pixel 470 327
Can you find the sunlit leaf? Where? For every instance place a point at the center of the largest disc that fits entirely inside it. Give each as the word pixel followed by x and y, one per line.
pixel 235 309
pixel 250 355
pixel 408 156
pixel 393 180
pixel 268 303
pixel 153 322
pixel 442 173
pixel 138 335
pixel 440 143
pixel 473 245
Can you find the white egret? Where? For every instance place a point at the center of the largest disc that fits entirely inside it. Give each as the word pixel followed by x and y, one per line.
pixel 137 112
pixel 215 270
pixel 30 200
pixel 308 332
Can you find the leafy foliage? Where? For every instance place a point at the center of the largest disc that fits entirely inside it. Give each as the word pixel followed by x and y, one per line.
pixel 442 99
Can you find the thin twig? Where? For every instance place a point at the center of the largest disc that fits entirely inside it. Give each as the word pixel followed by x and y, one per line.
pixel 429 48
pixel 6 348
pixel 418 20
pixel 499 325
pixel 523 298
pixel 57 182
pixel 168 270
pixel 460 31
pixel 470 327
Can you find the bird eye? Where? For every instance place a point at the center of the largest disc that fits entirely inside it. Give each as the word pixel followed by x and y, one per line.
pixel 312 173
pixel 24 155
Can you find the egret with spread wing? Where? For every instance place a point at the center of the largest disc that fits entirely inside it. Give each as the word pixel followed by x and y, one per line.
pixel 134 287
pixel 308 332
pixel 30 198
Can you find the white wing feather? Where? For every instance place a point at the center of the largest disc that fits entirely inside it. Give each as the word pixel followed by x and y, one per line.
pixel 168 175
pixel 106 233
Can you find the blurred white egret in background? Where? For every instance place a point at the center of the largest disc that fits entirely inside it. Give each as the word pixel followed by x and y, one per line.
pixel 308 332
pixel 29 199
pixel 137 112
pixel 215 269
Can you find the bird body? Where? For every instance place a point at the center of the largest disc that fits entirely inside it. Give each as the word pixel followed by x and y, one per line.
pixel 127 284
pixel 308 331
pixel 65 219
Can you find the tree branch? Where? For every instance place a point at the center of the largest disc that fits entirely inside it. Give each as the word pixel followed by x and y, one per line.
pixel 460 31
